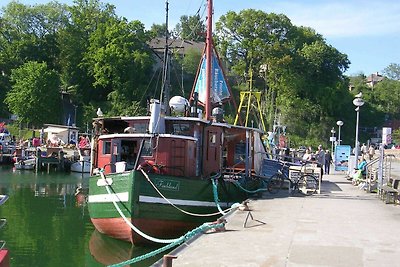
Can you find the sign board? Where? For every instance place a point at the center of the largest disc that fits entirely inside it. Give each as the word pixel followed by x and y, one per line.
pixel 342 154
pixel 386 136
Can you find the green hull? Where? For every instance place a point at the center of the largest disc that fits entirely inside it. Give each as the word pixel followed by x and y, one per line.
pixel 157 212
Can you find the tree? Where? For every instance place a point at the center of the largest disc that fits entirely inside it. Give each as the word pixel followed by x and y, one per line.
pixel 392 71
pixel 191 28
pixel 157 30
pixel 35 95
pixel 387 97
pixel 301 73
pixel 86 16
pixel 28 33
pixel 120 63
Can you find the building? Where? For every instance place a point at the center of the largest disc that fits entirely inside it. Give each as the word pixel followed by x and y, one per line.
pixel 373 79
pixel 62 134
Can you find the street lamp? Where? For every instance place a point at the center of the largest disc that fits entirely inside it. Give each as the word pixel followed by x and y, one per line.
pixel 358 102
pixel 333 138
pixel 340 124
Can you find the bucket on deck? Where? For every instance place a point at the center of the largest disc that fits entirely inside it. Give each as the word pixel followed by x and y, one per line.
pixel 120 166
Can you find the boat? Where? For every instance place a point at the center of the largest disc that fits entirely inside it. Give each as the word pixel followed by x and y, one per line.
pixel 83 164
pixel 25 164
pixel 159 176
pixel 7 146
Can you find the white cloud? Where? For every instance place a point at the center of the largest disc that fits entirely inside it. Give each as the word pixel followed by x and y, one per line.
pixel 344 18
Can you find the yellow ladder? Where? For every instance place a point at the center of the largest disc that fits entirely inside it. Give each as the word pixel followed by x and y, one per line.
pixel 248 96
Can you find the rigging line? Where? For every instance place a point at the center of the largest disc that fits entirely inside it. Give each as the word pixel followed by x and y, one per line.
pixel 181 210
pixel 198 23
pixel 145 91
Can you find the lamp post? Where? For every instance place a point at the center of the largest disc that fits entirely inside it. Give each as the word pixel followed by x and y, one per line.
pixel 340 124
pixel 358 102
pixel 333 138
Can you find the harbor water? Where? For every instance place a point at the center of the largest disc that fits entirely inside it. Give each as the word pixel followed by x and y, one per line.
pixel 48 223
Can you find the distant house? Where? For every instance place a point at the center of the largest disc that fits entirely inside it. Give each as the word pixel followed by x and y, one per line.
pixel 61 133
pixel 373 79
pixel 370 81
pixel 179 47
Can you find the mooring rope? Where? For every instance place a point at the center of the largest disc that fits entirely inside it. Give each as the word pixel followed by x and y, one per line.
pixel 187 236
pixel 249 191
pixel 215 193
pixel 134 228
pixel 184 211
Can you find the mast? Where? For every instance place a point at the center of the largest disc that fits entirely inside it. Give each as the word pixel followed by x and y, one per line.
pixel 208 61
pixel 165 94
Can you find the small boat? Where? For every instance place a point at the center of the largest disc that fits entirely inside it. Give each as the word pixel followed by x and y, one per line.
pixel 27 164
pixel 83 164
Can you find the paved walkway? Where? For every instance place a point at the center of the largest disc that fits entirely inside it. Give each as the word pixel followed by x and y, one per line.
pixel 342 226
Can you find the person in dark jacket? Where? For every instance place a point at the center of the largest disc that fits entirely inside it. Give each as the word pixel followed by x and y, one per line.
pixel 328 161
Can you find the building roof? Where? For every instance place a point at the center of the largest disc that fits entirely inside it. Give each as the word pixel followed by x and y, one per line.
pixel 158 43
pixel 375 77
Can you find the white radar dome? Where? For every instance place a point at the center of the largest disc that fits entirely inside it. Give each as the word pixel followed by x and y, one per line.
pixel 178 103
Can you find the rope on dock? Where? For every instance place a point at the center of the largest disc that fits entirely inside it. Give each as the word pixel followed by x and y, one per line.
pixel 184 238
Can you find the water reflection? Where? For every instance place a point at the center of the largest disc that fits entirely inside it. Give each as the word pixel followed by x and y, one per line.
pixel 107 251
pixel 48 223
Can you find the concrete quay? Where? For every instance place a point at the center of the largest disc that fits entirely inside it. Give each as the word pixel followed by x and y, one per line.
pixel 342 226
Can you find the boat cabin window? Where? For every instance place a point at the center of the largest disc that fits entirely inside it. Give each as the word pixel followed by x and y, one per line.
pixel 106 147
pixel 212 138
pixel 181 128
pixel 129 150
pixel 240 152
pixel 147 150
pixel 141 127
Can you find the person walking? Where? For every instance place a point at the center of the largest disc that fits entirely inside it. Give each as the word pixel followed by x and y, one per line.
pixel 371 152
pixel 328 161
pixel 307 155
pixel 364 149
pixel 320 157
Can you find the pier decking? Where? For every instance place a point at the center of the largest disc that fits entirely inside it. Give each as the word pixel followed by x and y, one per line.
pixel 343 226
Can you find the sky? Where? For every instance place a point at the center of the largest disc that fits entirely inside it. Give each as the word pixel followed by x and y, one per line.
pixel 367 31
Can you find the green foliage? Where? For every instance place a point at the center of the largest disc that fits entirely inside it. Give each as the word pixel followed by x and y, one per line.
pixel 387 97
pixel 303 75
pixel 396 136
pixel 104 61
pixel 157 30
pixel 28 33
pixel 118 61
pixel 392 71
pixel 191 28
pixel 21 132
pixel 35 95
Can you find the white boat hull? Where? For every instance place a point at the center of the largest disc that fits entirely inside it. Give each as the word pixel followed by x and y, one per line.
pixel 24 166
pixel 82 167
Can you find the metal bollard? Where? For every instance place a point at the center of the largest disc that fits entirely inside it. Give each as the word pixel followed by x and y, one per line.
pixel 167 260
